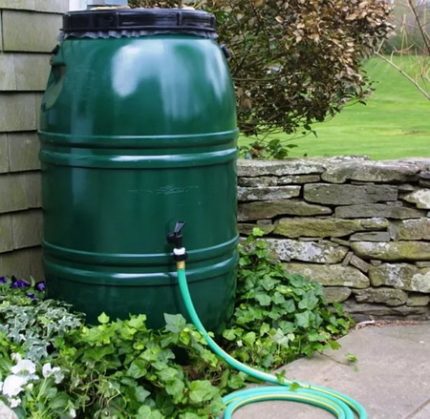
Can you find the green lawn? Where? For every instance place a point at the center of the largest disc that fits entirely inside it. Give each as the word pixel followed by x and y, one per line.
pixel 395 122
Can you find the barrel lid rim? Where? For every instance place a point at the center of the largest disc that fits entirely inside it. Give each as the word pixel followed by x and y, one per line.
pixel 147 19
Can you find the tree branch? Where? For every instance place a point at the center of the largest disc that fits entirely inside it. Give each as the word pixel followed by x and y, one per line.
pixel 420 26
pixel 405 74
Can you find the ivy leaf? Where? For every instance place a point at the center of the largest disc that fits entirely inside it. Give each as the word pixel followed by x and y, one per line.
pixel 295 386
pixel 175 323
pixel 268 283
pixel 302 319
pixel 280 338
pixel 167 374
pixel 351 358
pixel 229 334
pixel 138 322
pixel 202 391
pixel 257 232
pixel 264 329
pixel 145 412
pixel 176 389
pixel 237 381
pixel 141 394
pixel 263 299
pixel 309 301
pixel 103 318
pixel 137 369
pixel 249 338
pixel 334 344
pixel 278 298
pixel 280 376
pixel 290 306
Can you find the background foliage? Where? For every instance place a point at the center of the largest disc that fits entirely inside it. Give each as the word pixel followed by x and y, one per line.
pixel 294 62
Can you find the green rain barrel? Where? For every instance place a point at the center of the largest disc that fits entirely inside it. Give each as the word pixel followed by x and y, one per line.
pixel 138 130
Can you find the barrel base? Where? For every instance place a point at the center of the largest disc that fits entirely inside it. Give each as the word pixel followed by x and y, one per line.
pixel 213 297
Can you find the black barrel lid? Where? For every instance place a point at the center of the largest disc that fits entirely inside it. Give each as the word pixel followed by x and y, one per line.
pixel 141 19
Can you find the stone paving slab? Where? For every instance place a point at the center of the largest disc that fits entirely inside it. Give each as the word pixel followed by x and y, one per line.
pixel 391 377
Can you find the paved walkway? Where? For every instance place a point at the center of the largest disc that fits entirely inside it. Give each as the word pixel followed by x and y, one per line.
pixel 391 377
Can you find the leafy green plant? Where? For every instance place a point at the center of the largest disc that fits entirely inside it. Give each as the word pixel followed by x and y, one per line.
pixel 32 322
pixel 120 369
pixel 279 316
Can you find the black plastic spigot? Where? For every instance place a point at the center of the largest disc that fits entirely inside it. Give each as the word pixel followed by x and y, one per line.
pixel 175 237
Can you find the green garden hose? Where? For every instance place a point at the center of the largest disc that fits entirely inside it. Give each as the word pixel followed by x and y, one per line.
pixel 339 405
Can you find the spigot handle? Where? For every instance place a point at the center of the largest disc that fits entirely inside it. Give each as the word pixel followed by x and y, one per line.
pixel 175 237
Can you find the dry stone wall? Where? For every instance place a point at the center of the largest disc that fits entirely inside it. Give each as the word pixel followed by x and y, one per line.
pixel 361 228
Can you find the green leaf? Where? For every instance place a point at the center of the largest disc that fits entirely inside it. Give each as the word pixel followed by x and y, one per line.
pixel 175 388
pixel 249 338
pixel 278 298
pixel 295 386
pixel 302 319
pixel 264 329
pixel 145 412
pixel 137 369
pixel 309 301
pixel 168 374
pixel 103 318
pixel 59 402
pixel 280 376
pixel 237 381
pixel 138 322
pixel 263 299
pixel 289 306
pixel 257 232
pixel 229 334
pixel 334 344
pixel 351 358
pixel 141 394
pixel 175 323
pixel 202 391
pixel 268 283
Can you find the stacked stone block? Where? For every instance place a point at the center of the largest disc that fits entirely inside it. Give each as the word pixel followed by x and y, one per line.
pixel 28 34
pixel 360 228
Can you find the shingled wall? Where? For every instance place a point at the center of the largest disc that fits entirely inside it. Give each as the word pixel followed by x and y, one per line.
pixel 28 33
pixel 360 228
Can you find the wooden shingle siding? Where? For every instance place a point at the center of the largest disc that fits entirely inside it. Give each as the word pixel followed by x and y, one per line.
pixel 28 33
pixel 52 6
pixel 23 72
pixel 19 191
pixel 24 263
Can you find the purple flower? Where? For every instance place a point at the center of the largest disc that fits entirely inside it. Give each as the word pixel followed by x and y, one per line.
pixel 3 280
pixel 20 283
pixel 31 296
pixel 40 286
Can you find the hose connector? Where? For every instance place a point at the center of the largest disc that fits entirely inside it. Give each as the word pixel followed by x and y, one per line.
pixel 175 238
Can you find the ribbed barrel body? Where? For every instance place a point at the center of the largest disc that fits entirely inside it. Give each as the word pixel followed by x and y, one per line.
pixel 138 133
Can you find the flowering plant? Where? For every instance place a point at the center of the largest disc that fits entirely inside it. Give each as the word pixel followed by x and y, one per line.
pixel 33 388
